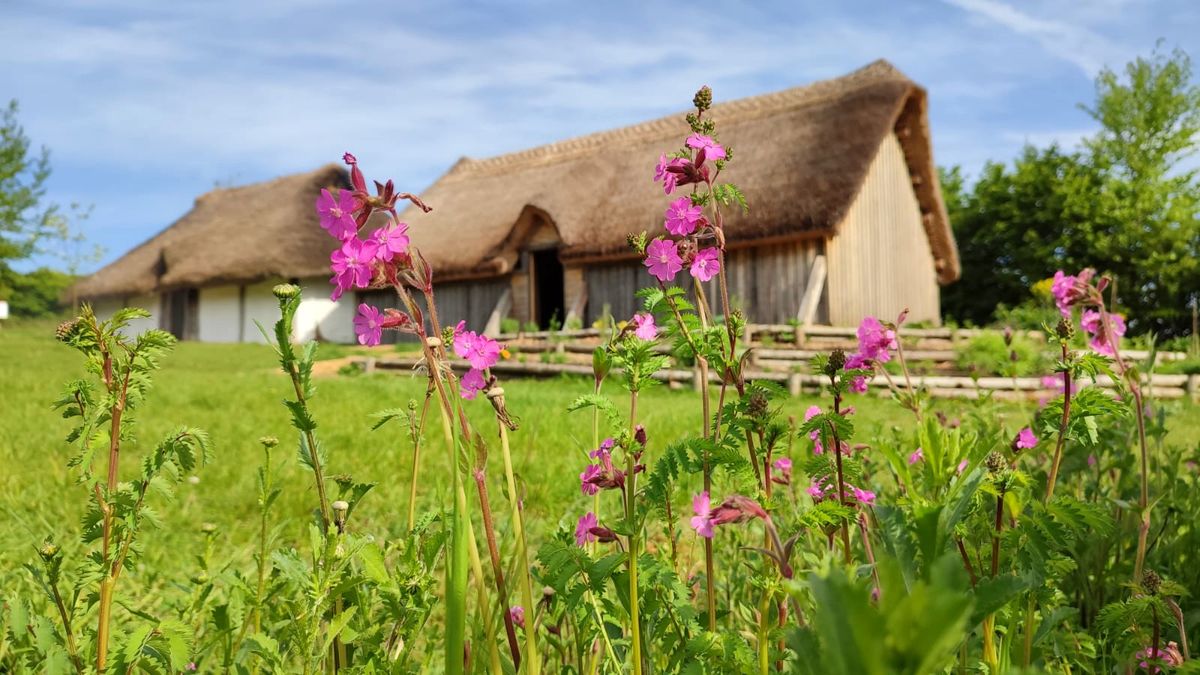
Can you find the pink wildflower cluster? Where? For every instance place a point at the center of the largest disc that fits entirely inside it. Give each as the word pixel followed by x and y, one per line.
pixel 666 257
pixel 1077 289
pixel 735 509
pixel 824 487
pixel 875 344
pixel 481 352
pixel 1150 659
pixel 783 471
pixel 644 327
pixel 358 261
pixel 1025 439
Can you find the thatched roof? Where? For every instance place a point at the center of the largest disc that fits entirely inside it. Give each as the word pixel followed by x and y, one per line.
pixel 234 235
pixel 801 156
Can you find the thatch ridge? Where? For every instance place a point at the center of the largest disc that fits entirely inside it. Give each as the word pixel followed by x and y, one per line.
pixel 597 188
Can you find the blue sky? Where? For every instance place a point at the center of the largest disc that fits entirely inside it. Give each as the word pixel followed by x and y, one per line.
pixel 146 105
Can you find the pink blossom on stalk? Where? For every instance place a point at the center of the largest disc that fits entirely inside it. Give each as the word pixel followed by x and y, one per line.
pixel 783 471
pixel 916 456
pixel 1061 288
pixel 668 178
pixel 1025 439
pixel 351 265
pixel 818 490
pixel 737 509
pixel 368 325
pixel 337 214
pixel 481 351
pixel 392 240
pixel 814 435
pixel 588 478
pixel 682 217
pixel 706 264
pixel 472 383
pixel 712 149
pixel 1091 460
pixel 864 497
pixel 1150 658
pixel 583 530
pixel 662 259
pixel 962 466
pixel 859 384
pixel 1103 337
pixel 875 341
pixel 702 521
pixel 517 613
pixel 644 327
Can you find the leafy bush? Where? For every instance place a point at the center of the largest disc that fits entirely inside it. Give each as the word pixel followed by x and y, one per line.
pixel 988 354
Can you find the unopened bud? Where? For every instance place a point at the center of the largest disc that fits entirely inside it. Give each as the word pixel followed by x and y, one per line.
pixel 340 505
pixel 433 342
pixel 703 98
pixel 1065 329
pixel 995 462
pixel 837 361
pixel 758 404
pixel 285 291
pixel 1151 582
pixel 208 528
pixel 495 392
pixel 64 330
pixel 639 435
pixel 268 441
pixel 49 551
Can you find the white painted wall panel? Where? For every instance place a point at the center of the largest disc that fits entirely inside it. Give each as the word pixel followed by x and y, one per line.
pixel 219 314
pixel 151 303
pixel 261 306
pixel 321 318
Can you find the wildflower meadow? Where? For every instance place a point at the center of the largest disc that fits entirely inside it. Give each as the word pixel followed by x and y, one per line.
pixel 724 530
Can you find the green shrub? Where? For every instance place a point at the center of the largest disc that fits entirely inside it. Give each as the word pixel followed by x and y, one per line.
pixel 986 354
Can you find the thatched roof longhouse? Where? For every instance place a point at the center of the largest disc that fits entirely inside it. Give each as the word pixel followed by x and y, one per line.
pixel 801 157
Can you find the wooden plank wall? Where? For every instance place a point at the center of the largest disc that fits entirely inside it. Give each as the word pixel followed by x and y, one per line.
pixel 879 261
pixel 765 282
pixel 471 301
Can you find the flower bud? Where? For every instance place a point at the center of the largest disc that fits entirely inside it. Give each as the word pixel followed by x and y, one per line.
pixel 208 528
pixel 495 392
pixel 340 505
pixel 703 98
pixel 49 551
pixel 65 329
pixel 995 462
pixel 1065 329
pixel 639 435
pixel 433 342
pixel 1151 582
pixel 285 291
pixel 268 441
pixel 837 361
pixel 193 480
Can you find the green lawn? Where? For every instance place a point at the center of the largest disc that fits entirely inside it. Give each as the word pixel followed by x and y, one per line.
pixel 234 392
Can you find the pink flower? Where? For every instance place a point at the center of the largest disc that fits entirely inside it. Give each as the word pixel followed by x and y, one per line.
pixel 857 362
pixel 1091 460
pixel 583 530
pixel 472 383
pixel 818 490
pixel 962 466
pixel 337 214
pixel 702 521
pixel 1103 338
pixel 916 456
pixel 682 217
pixel 644 327
pixel 1150 658
pixel 588 478
pixel 662 259
pixel 706 264
pixel 875 341
pixel 814 435
pixel 1060 288
pixel 859 385
pixel 668 178
pixel 481 351
pixel 737 509
pixel 712 150
pixel 864 497
pixel 783 471
pixel 1025 439
pixel 392 240
pixel 351 265
pixel 517 613
pixel 368 325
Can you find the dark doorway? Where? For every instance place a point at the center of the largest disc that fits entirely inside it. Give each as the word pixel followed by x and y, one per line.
pixel 182 313
pixel 548 288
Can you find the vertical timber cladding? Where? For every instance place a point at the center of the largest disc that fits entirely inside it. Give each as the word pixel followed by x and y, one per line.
pixel 766 282
pixel 879 260
pixel 470 301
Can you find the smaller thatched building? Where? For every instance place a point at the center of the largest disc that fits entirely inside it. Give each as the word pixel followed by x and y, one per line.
pixel 846 219
pixel 209 275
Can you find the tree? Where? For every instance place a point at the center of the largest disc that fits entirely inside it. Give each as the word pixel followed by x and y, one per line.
pixel 1149 122
pixel 1123 203
pixel 25 220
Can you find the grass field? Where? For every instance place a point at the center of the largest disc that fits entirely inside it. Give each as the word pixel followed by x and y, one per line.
pixel 234 392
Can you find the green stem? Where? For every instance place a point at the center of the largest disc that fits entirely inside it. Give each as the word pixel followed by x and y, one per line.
pixel 533 658
pixel 630 517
